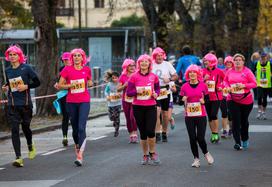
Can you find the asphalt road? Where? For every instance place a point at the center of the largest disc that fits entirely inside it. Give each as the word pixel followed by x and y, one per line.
pixel 112 161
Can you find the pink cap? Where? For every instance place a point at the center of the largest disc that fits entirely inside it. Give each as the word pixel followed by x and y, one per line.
pixel 142 58
pixel 157 51
pixel 126 63
pixel 17 50
pixel 65 56
pixel 228 59
pixel 196 69
pixel 211 58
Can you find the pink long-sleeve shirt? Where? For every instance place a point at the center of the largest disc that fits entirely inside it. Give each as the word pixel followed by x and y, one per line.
pixel 214 83
pixel 246 77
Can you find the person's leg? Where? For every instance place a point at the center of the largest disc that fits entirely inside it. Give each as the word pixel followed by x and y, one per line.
pixel 127 112
pixel 215 123
pixel 236 121
pixel 245 111
pixel 165 119
pixel 260 102
pixel 201 124
pixel 65 117
pixel 224 111
pixel 116 119
pixel 265 94
pixel 83 112
pixel 191 129
pixel 73 110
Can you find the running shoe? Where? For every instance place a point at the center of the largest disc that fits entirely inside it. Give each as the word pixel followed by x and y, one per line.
pixel 164 137
pixel 32 152
pixel 79 159
pixel 130 139
pixel 172 123
pixel 158 137
pixel 224 134
pixel 65 141
pixel 216 138
pixel 230 133
pixel 237 147
pixel 18 162
pixel 145 160
pixel 209 158
pixel 135 139
pixel 196 163
pixel 259 115
pixel 154 159
pixel 263 116
pixel 116 133
pixel 245 144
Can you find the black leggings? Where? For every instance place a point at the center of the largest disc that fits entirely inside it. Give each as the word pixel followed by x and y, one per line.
pixel 146 118
pixel 224 108
pixel 196 127
pixel 212 108
pixel 262 94
pixel 65 116
pixel 240 125
pixel 20 115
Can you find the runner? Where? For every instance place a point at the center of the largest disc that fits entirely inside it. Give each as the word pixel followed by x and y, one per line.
pixel 172 89
pixel 114 99
pixel 213 77
pixel 62 101
pixel 128 69
pixel 166 73
pixel 239 81
pixel 194 94
pixel 76 78
pixel 263 70
pixel 20 79
pixel 144 87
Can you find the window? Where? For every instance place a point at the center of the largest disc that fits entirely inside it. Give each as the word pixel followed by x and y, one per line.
pixel 98 3
pixel 61 3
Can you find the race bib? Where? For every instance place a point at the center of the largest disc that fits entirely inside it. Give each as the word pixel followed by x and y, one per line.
pixel 78 86
pixel 114 97
pixel 264 83
pixel 128 99
pixel 163 94
pixel 146 94
pixel 15 82
pixel 194 109
pixel 225 92
pixel 237 90
pixel 211 86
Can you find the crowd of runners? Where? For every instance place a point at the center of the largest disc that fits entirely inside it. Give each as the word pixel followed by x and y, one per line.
pixel 146 90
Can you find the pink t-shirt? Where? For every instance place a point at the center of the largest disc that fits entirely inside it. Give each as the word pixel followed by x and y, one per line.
pixel 79 93
pixel 149 83
pixel 246 77
pixel 194 95
pixel 123 79
pixel 215 82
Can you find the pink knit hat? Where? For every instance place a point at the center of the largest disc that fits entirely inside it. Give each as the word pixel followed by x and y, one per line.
pixel 17 50
pixel 157 51
pixel 142 58
pixel 228 59
pixel 65 56
pixel 83 54
pixel 211 58
pixel 125 65
pixel 196 69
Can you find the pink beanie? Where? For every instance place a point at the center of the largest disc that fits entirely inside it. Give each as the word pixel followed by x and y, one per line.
pixel 228 59
pixel 142 58
pixel 17 50
pixel 211 58
pixel 195 69
pixel 66 56
pixel 157 51
pixel 126 63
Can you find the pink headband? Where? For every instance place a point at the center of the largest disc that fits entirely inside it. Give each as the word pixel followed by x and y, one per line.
pixel 126 63
pixel 80 51
pixel 157 51
pixel 18 51
pixel 211 58
pixel 142 58
pixel 195 69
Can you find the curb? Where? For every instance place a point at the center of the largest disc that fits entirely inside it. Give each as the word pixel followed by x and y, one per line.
pixel 52 127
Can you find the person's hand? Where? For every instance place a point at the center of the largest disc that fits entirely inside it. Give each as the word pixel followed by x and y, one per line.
pixel 206 77
pixel 5 88
pixel 184 98
pixel 202 100
pixel 166 79
pixel 108 98
pixel 155 95
pixel 56 85
pixel 22 87
pixel 90 83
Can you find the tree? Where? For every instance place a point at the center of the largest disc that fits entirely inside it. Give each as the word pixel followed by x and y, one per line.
pixel 44 12
pixel 132 20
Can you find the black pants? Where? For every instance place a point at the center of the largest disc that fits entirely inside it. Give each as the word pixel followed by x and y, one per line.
pixel 262 94
pixel 212 108
pixel 114 115
pixel 229 112
pixel 240 123
pixel 65 116
pixel 146 118
pixel 196 127
pixel 20 115
pixel 224 108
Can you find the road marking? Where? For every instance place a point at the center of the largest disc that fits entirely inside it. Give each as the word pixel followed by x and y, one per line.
pixel 28 183
pixel 54 151
pixel 2 168
pixel 97 138
pixel 268 106
pixel 260 128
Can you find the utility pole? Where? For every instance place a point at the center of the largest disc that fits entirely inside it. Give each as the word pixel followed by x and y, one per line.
pixel 79 23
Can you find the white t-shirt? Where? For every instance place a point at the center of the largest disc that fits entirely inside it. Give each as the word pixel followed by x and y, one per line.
pixel 165 69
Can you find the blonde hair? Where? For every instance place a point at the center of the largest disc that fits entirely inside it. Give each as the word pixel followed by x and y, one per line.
pixel 239 55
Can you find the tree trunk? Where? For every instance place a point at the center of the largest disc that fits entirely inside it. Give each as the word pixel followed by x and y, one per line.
pixel 44 12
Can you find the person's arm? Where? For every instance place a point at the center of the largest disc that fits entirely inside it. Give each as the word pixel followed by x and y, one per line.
pixel 252 83
pixel 62 84
pixel 131 88
pixel 178 69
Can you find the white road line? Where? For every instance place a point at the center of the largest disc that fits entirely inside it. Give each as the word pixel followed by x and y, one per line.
pixel 97 138
pixel 2 168
pixel 54 151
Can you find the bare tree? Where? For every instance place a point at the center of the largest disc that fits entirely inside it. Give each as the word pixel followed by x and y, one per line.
pixel 44 12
